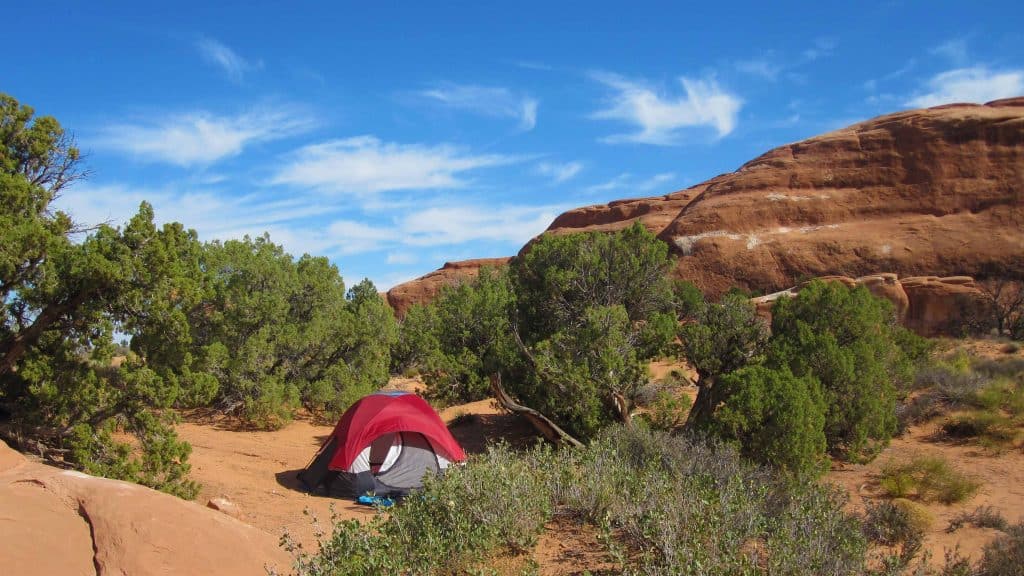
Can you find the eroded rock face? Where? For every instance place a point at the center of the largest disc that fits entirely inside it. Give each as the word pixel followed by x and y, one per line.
pixel 928 305
pixel 938 191
pixel 942 305
pixel 57 521
pixel 425 288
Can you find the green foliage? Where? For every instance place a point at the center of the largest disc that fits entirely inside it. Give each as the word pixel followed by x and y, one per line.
pixel 680 505
pixel 60 303
pixel 457 340
pixel 267 333
pixel 560 277
pixel 776 417
pixel 848 340
pixel 496 502
pixel 927 478
pixel 719 339
pixel 586 366
pixel 590 309
pixel 667 411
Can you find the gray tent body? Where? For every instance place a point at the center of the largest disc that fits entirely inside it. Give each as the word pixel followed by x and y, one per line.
pixel 399 462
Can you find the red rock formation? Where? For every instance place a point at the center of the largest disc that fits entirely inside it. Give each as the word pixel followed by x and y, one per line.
pixel 937 191
pixel 64 522
pixel 927 305
pixel 942 305
pixel 425 288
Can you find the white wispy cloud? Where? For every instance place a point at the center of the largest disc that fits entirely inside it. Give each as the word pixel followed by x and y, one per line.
pixel 871 85
pixel 220 55
pixel 201 138
pixel 366 165
pixel 487 101
pixel 441 225
pixel 631 183
pixel 203 210
pixel 822 48
pixel 954 50
pixel 763 67
pixel 976 84
pixel 661 118
pixel 559 172
pixel 403 257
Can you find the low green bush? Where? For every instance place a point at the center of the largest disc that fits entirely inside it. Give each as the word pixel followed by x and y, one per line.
pixel 927 478
pixel 496 502
pixel 663 504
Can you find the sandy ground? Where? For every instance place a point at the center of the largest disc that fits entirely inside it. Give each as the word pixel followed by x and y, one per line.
pixel 1001 476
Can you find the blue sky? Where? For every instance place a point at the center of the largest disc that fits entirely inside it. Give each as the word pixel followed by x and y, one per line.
pixel 392 137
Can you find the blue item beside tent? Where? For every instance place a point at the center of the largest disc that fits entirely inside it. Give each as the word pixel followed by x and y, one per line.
pixel 382 501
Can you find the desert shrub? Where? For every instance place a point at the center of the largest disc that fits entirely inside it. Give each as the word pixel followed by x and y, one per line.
pixel 684 505
pixel 1004 556
pixel 895 522
pixel 988 426
pixel 1007 367
pixel 982 517
pixel 666 410
pixel 495 502
pixel 777 418
pixel 849 341
pixel 952 387
pixel 927 478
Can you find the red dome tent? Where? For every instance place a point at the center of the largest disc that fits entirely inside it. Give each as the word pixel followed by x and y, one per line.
pixel 384 443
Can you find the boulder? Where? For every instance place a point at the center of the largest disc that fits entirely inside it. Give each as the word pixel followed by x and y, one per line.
pixel 222 504
pixel 942 305
pixel 64 522
pixel 425 288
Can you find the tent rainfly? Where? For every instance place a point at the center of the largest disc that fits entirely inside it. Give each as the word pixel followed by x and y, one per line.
pixel 384 444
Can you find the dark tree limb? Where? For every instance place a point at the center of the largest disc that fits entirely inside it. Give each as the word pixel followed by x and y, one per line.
pixel 542 423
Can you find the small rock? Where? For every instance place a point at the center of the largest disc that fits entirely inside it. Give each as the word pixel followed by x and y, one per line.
pixel 224 505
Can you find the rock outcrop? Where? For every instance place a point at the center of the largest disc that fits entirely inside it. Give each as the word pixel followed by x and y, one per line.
pixel 57 521
pixel 425 288
pixel 927 305
pixel 938 191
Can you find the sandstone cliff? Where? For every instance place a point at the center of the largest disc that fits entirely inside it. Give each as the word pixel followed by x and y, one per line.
pixel 936 192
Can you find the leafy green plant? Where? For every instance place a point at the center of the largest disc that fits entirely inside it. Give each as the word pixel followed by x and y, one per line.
pixel 776 418
pixel 496 502
pixel 849 341
pixel 927 478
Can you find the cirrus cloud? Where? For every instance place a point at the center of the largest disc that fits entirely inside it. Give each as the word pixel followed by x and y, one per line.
pixel 661 118
pixel 487 101
pixel 977 84
pixel 201 138
pixel 366 165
